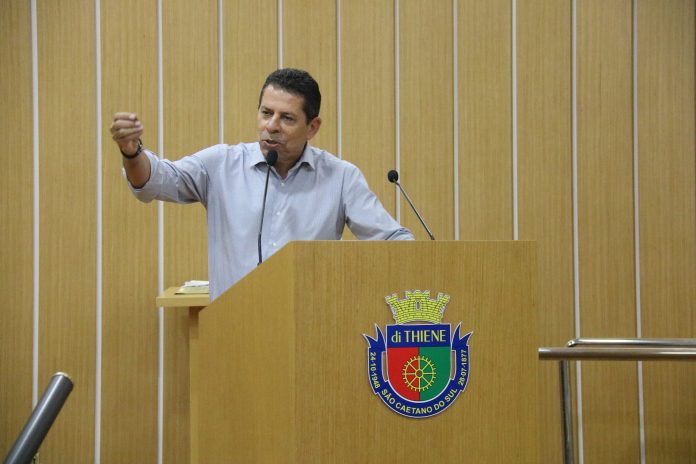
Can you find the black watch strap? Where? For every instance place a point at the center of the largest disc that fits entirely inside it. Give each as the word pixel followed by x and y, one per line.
pixel 138 151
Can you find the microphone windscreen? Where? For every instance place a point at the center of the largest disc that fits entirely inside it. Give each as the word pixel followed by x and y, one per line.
pixel 271 158
pixel 393 176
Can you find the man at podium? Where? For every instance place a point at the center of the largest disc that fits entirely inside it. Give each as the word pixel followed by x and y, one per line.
pixel 261 195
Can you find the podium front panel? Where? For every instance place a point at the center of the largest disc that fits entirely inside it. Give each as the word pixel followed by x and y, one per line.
pixel 283 356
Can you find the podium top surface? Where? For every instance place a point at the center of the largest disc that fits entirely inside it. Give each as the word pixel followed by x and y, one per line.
pixel 169 299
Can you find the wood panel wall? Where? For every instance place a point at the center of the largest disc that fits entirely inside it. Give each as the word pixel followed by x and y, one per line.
pixel 67 218
pixel 566 122
pixel 666 171
pixel 485 120
pixel 17 250
pixel 605 224
pixel 129 322
pixel 545 173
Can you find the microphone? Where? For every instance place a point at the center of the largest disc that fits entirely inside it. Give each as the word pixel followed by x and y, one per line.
pixel 393 177
pixel 271 159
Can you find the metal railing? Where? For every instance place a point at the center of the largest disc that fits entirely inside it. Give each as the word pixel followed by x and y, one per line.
pixel 27 444
pixel 609 349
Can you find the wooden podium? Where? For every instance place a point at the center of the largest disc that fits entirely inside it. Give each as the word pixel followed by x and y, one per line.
pixel 281 370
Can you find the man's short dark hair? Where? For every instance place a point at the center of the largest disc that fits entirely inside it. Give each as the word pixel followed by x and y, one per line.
pixel 296 82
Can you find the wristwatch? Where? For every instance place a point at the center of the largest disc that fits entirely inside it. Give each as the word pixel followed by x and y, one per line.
pixel 137 151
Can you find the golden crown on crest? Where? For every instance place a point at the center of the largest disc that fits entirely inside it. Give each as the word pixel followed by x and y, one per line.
pixel 418 306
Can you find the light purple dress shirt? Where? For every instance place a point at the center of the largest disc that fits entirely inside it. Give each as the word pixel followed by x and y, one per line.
pixel 320 195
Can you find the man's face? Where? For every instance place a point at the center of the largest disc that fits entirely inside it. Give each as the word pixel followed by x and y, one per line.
pixel 282 124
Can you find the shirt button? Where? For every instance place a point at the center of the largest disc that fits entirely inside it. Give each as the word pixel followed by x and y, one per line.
pixel 277 213
pixel 275 244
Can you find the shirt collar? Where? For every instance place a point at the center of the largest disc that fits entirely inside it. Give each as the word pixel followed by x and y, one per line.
pixel 307 157
pixel 256 157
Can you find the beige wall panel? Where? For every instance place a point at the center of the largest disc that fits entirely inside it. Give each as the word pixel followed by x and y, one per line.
pixel 485 120
pixel 66 46
pixel 667 218
pixel 129 317
pixel 191 102
pixel 16 217
pixel 250 54
pixel 605 224
pixel 545 195
pixel 309 42
pixel 426 115
pixel 190 75
pixel 368 89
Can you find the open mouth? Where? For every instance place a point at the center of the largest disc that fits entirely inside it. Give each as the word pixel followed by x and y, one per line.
pixel 271 144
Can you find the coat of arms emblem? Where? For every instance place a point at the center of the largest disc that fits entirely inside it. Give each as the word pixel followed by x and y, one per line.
pixel 420 368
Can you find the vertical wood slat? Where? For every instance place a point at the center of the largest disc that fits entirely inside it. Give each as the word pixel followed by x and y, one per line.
pixel 426 106
pixel 67 223
pixel 545 196
pixel 606 224
pixel 190 78
pixel 190 60
pixel 667 168
pixel 485 115
pixel 250 54
pixel 16 217
pixel 129 320
pixel 309 43
pixel 367 66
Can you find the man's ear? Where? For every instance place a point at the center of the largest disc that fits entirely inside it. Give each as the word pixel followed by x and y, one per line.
pixel 314 125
